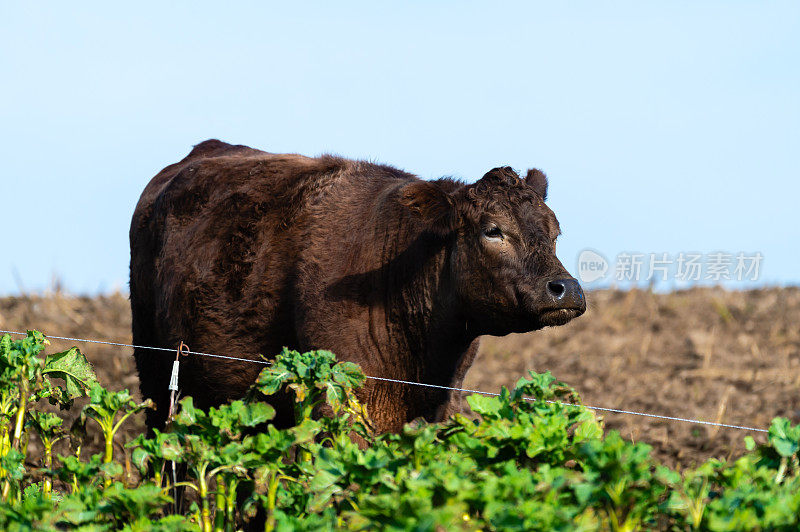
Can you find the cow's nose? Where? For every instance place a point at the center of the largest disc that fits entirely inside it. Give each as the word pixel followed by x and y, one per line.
pixel 567 293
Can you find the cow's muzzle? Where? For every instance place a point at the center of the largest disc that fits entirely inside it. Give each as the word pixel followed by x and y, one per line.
pixel 565 301
pixel 566 293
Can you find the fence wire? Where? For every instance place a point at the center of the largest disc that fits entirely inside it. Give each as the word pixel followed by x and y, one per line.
pixel 409 383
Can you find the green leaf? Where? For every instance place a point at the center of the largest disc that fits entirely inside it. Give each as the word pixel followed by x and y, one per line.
pixel 72 367
pixel 46 424
pixel 306 430
pixel 484 405
pixel 255 414
pixel 784 437
pixel 588 430
pixel 187 415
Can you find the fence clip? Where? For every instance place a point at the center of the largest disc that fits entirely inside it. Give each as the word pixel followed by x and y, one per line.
pixel 173 379
pixel 183 349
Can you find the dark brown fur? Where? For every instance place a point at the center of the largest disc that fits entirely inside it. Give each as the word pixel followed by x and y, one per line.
pixel 241 252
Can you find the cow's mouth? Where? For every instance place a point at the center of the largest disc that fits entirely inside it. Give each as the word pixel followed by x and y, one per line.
pixel 560 316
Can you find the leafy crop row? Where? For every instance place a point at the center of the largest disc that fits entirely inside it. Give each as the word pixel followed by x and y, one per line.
pixel 535 460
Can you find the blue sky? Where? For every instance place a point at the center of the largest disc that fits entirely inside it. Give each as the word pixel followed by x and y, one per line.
pixel 663 126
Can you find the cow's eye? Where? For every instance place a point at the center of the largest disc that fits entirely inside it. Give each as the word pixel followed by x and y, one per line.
pixel 493 232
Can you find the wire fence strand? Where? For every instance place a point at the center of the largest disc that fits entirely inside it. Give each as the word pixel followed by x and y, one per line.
pixel 409 383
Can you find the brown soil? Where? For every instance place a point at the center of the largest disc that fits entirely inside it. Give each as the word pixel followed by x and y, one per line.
pixel 730 357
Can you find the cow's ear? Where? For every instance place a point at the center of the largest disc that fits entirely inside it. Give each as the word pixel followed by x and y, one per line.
pixel 538 181
pixel 430 204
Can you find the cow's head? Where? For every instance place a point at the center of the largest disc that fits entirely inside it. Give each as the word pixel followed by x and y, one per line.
pixel 503 257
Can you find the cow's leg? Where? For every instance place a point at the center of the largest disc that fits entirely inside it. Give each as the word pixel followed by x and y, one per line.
pixel 154 367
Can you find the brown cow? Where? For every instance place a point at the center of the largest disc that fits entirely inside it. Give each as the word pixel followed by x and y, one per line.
pixel 238 251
